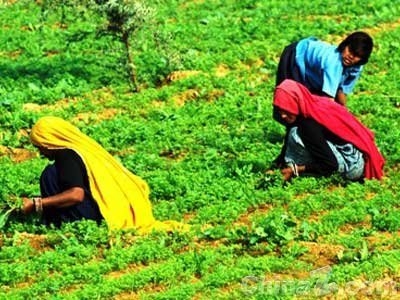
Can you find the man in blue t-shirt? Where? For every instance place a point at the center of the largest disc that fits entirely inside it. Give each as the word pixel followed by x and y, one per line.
pixel 324 68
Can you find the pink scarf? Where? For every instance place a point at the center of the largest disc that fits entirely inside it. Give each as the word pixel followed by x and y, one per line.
pixel 295 98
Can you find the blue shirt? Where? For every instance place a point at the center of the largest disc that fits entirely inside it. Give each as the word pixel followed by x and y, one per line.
pixel 322 69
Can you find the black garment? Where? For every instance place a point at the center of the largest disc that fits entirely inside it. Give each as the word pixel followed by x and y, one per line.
pixel 68 171
pixel 287 67
pixel 315 137
pixel 71 170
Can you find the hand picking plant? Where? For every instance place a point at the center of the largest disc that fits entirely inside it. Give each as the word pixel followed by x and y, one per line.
pixel 6 208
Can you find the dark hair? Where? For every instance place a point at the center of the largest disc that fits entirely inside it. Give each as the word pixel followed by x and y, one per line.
pixel 360 44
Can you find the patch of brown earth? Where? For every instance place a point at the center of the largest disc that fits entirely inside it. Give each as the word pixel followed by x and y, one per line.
pixel 106 114
pixel 37 241
pixel 245 219
pixel 100 96
pixel 383 27
pixel 222 70
pixel 385 289
pixel 8 2
pixel 61 104
pixel 17 154
pixel 185 96
pixel 171 154
pixel 148 289
pixel 51 53
pixel 348 228
pixel 320 254
pixel 11 55
pixel 214 95
pixel 179 75
pixel 192 94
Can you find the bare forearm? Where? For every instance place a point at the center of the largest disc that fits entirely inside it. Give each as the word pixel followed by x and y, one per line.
pixel 301 168
pixel 67 198
pixel 341 98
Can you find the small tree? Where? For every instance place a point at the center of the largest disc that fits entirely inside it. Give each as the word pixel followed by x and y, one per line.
pixel 124 19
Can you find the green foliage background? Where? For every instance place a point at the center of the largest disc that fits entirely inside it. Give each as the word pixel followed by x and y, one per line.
pixel 201 133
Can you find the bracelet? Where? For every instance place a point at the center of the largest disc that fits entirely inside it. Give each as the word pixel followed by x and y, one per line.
pixel 37 202
pixel 294 168
pixel 296 173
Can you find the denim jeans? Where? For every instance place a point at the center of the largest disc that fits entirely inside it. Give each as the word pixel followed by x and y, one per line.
pixel 350 159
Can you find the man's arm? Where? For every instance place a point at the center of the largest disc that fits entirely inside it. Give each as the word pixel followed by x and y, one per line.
pixel 341 97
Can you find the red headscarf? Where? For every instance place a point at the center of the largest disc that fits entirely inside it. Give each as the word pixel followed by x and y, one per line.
pixel 295 98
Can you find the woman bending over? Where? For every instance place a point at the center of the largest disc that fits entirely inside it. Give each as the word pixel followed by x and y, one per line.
pixel 324 137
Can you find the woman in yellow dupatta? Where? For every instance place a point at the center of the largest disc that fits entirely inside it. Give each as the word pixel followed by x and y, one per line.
pixel 121 196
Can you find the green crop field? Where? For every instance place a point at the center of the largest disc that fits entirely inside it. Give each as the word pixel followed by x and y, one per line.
pixel 199 130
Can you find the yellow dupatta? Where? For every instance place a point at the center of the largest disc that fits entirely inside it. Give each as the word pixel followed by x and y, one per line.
pixel 122 197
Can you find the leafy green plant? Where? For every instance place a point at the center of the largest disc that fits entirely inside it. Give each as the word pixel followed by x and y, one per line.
pixel 385 220
pixel 276 228
pixel 6 208
pixel 270 179
pixel 4 214
pixel 354 255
